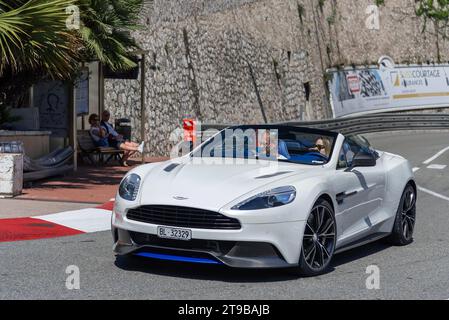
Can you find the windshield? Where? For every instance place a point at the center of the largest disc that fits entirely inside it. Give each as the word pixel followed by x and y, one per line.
pixel 269 142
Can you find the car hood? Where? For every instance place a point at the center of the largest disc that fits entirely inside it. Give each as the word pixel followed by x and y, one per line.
pixel 211 186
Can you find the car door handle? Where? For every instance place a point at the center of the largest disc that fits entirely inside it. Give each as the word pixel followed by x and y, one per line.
pixel 343 195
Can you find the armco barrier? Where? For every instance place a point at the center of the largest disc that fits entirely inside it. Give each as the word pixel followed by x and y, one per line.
pixel 369 123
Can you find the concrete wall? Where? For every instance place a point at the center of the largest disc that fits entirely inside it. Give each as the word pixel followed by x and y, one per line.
pixel 11 174
pixel 344 34
pixel 223 61
pixel 35 143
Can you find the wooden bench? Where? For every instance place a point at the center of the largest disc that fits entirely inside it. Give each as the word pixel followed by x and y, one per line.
pixel 87 149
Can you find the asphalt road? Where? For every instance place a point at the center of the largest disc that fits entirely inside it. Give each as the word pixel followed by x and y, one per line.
pixel 36 269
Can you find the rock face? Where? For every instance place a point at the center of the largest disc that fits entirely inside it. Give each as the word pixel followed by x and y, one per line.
pixel 251 61
pixel 11 174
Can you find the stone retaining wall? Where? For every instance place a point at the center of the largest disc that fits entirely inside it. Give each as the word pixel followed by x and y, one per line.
pixel 232 61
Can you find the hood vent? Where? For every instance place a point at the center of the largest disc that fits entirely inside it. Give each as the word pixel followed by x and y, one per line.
pixel 273 175
pixel 170 167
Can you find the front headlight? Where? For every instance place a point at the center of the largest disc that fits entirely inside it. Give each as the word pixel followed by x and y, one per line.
pixel 129 187
pixel 269 199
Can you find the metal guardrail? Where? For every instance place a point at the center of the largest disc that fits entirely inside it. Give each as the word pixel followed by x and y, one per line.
pixel 370 123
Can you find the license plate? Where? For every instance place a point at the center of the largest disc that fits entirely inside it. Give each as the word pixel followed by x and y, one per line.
pixel 174 233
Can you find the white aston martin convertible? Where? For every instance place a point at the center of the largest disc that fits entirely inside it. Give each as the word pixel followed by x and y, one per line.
pixel 266 196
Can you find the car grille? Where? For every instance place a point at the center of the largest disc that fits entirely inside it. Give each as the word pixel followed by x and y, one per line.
pixel 182 217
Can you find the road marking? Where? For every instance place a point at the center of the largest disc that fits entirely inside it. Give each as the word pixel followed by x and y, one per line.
pixel 433 193
pixel 17 229
pixel 58 224
pixel 436 155
pixel 415 169
pixel 85 220
pixel 437 166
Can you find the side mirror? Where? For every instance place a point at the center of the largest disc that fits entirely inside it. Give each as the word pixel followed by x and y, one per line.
pixel 363 159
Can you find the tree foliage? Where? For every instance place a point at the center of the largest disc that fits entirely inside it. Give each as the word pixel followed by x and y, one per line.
pixel 435 11
pixel 105 31
pixel 33 36
pixel 36 43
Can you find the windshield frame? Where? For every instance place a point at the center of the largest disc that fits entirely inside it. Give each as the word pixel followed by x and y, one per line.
pixel 279 127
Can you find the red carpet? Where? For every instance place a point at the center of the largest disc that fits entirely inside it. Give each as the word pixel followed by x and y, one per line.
pixel 29 229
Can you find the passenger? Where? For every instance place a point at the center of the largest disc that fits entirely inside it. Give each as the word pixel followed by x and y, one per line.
pixel 322 145
pixel 268 145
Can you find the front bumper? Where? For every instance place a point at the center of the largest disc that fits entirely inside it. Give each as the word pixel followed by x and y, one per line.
pixel 255 245
pixel 238 254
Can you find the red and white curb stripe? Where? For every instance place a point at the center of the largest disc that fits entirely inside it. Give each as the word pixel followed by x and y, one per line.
pixel 57 225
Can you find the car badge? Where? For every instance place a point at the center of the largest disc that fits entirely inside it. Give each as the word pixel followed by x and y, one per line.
pixel 180 198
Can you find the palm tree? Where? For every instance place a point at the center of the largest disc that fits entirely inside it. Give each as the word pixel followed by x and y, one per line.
pixel 105 31
pixel 35 42
pixel 33 36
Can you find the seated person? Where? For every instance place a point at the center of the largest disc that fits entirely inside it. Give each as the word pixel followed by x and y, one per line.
pixel 100 136
pixel 114 137
pixel 322 145
pixel 269 147
pixel 97 133
pixel 318 153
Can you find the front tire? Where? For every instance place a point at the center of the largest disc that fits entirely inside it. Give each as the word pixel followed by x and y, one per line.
pixel 318 243
pixel 404 223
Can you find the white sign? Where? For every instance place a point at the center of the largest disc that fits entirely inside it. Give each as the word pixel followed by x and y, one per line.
pixel 355 91
pixel 82 93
